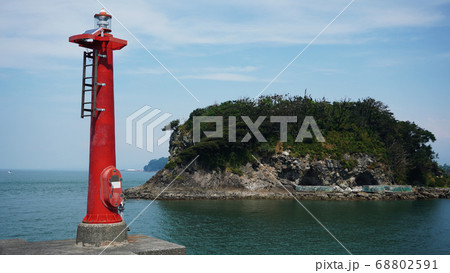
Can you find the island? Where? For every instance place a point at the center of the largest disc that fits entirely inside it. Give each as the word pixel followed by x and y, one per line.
pixel 363 153
pixel 155 165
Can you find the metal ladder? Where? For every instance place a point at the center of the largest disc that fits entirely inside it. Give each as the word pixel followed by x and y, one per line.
pixel 89 84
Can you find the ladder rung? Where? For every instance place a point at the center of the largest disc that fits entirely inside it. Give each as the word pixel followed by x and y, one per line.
pixel 89 84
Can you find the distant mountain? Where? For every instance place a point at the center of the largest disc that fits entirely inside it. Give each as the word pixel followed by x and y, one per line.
pixel 155 164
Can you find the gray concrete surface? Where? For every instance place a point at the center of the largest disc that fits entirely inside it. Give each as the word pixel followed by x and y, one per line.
pixel 137 245
pixel 101 234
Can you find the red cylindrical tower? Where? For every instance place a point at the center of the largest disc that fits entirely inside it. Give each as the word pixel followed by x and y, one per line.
pixel 105 181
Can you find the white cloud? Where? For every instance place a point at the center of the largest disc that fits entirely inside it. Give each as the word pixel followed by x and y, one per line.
pixel 34 35
pixel 230 73
pixel 387 62
pixel 33 32
pixel 233 77
pixel 328 71
pixel 292 22
pixel 438 126
pixel 145 71
pixel 233 69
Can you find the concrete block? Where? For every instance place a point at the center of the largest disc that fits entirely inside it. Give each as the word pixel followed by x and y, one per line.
pixel 314 188
pixel 387 188
pixel 101 234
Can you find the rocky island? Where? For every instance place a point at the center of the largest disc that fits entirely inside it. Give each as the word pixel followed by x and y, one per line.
pixel 364 146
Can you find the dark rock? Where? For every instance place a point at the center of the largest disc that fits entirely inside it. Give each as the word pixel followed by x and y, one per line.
pixel 276 178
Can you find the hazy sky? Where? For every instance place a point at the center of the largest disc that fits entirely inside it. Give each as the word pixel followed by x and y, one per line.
pixel 395 51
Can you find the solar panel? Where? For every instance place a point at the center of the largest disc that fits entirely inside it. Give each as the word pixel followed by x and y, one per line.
pixel 92 31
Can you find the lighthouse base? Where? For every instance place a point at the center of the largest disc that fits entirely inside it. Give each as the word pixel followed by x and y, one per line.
pixel 102 234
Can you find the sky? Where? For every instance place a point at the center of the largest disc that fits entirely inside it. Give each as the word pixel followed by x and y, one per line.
pixel 396 51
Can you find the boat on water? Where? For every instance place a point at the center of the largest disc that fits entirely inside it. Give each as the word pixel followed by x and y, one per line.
pixel 10 172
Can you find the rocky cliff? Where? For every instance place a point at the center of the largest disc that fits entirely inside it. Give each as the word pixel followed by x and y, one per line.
pixel 266 180
pixel 277 180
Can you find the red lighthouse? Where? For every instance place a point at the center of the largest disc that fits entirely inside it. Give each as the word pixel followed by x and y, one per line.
pixel 102 222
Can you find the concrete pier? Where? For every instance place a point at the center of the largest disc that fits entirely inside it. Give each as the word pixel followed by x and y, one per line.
pixel 137 245
pixel 101 234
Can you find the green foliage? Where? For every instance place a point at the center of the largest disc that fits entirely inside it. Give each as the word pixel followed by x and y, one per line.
pixel 445 168
pixel 349 127
pixel 171 165
pixel 236 170
pixel 173 125
pixel 155 164
pixel 348 164
pixel 438 181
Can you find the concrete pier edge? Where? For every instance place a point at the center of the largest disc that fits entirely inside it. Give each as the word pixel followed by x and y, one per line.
pixel 138 244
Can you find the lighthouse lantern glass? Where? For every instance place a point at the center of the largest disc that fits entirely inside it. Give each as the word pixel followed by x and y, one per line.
pixel 103 21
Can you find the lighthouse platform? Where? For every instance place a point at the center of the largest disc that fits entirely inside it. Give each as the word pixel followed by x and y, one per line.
pixel 137 245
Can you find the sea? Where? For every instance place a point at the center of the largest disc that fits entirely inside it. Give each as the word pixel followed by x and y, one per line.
pixel 48 205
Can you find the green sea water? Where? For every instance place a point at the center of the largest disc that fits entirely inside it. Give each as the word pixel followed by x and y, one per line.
pixel 48 205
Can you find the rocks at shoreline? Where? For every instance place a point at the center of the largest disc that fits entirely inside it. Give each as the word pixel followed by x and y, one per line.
pixel 418 193
pixel 265 182
pixel 354 170
pixel 277 178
